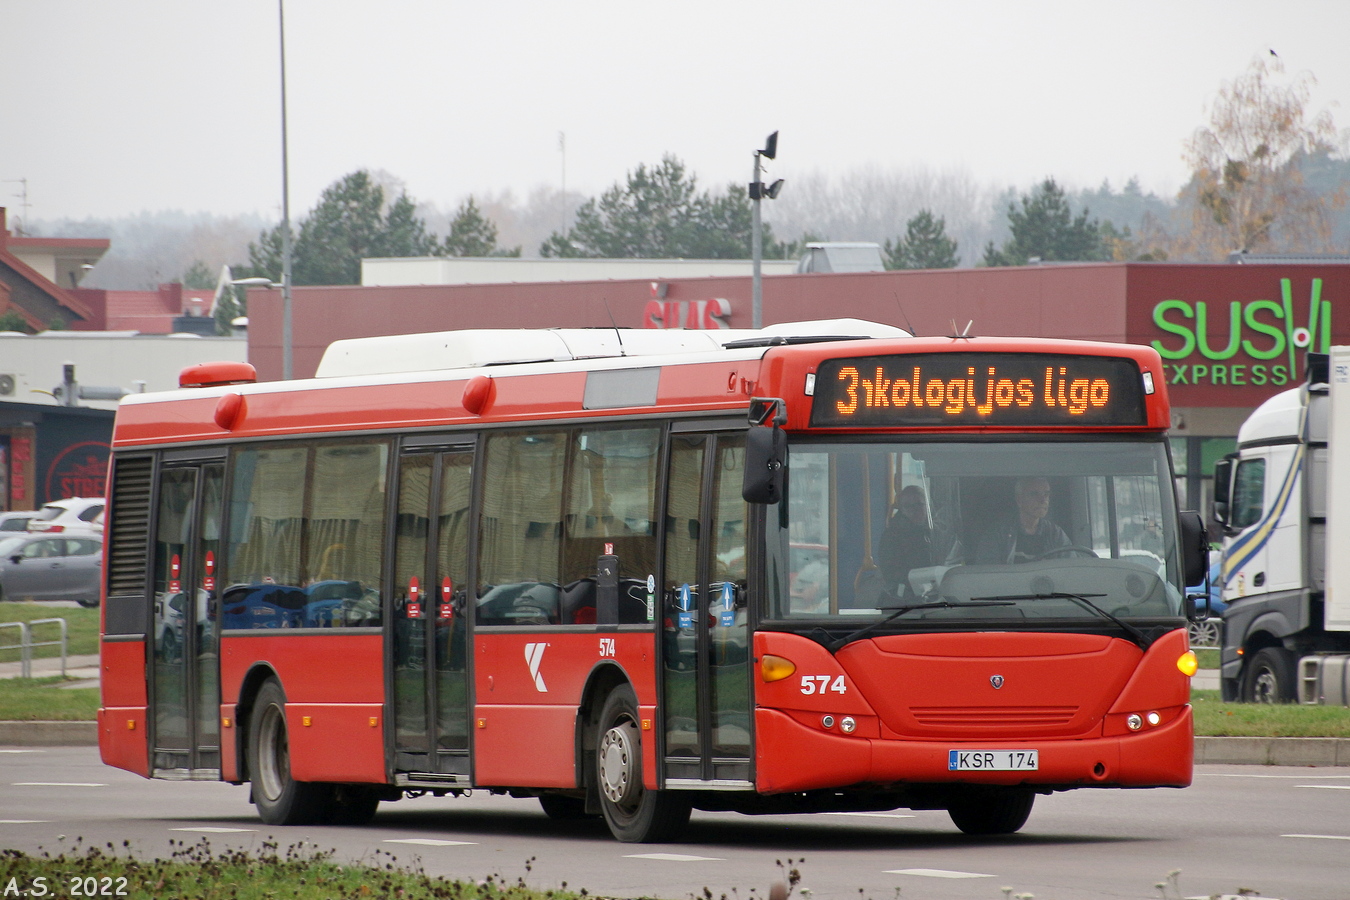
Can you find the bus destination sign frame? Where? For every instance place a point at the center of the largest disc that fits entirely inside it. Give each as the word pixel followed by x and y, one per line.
pixel 963 389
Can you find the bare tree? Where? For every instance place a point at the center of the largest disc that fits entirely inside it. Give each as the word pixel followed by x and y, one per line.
pixel 875 204
pixel 1247 190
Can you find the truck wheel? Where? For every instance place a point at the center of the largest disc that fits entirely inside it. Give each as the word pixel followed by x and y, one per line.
pixel 634 814
pixel 991 810
pixel 280 799
pixel 1269 677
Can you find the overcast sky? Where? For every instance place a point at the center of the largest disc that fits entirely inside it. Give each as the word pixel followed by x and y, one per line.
pixel 109 108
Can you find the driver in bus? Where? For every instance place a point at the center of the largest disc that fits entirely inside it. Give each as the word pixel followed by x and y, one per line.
pixel 1030 535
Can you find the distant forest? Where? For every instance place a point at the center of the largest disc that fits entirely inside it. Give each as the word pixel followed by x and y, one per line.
pixel 864 205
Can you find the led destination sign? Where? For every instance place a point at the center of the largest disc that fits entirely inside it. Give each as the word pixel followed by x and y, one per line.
pixel 1024 389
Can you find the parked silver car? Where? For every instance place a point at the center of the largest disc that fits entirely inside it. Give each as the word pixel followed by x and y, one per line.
pixel 51 567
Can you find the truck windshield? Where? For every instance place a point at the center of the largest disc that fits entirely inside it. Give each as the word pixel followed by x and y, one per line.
pixel 947 526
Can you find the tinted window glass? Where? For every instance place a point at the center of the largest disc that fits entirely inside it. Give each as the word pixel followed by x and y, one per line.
pixel 1249 490
pixel 521 528
pixel 307 536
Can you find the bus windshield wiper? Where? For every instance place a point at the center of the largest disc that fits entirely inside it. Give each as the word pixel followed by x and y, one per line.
pixel 1081 599
pixel 838 644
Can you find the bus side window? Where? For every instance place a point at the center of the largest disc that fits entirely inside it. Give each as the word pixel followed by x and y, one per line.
pixel 611 510
pixel 520 534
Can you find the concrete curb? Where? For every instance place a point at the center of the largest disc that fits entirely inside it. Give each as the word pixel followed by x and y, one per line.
pixel 1255 751
pixel 1248 751
pixel 49 734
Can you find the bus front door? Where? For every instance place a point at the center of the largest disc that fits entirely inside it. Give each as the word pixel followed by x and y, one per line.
pixel 429 639
pixel 706 712
pixel 184 662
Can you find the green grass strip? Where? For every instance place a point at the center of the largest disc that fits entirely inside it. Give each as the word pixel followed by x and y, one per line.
pixel 199 872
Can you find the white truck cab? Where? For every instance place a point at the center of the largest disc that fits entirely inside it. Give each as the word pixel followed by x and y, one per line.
pixel 1286 633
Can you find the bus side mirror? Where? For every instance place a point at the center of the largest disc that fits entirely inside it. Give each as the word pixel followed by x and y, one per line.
pixel 1193 611
pixel 765 451
pixel 1194 547
pixel 1223 477
pixel 765 465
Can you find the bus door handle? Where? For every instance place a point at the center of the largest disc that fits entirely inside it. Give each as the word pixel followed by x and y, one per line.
pixel 1260 579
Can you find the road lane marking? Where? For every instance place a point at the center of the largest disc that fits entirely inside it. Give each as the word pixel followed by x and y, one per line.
pixel 18 751
pixel 674 857
pixel 24 821
pixel 873 815
pixel 1326 787
pixel 56 784
pixel 212 829
pixel 937 873
pixel 1320 837
pixel 429 842
pixel 1286 777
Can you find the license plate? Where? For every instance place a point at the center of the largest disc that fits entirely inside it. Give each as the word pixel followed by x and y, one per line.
pixel 992 760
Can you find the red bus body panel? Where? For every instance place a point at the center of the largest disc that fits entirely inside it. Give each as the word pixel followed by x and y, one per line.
pixel 917 697
pixel 121 718
pixel 336 680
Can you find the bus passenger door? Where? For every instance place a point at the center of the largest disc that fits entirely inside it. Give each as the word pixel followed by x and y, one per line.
pixel 706 712
pixel 429 639
pixel 184 660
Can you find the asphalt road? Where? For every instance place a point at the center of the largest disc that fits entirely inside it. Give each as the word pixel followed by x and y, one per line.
pixel 1284 832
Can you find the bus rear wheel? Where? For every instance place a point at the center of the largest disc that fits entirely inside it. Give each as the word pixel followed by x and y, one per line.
pixel 281 800
pixel 634 814
pixel 991 810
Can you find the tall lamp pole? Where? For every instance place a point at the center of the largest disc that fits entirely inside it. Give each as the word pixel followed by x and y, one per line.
pixel 285 212
pixel 757 192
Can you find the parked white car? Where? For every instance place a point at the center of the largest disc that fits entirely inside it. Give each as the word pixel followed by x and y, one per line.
pixel 16 521
pixel 74 515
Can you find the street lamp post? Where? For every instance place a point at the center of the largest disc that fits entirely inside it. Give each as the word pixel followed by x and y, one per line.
pixel 285 211
pixel 757 192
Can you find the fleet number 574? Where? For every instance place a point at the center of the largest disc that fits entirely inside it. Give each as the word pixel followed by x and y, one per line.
pixel 821 684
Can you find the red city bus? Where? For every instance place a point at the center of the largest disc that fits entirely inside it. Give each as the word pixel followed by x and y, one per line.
pixel 822 567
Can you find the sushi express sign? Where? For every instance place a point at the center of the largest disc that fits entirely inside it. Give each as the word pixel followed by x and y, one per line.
pixel 1227 351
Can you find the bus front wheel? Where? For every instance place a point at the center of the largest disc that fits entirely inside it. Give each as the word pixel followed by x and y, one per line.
pixel 281 800
pixel 991 810
pixel 634 814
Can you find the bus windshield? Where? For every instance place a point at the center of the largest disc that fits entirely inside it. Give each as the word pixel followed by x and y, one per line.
pixel 946 527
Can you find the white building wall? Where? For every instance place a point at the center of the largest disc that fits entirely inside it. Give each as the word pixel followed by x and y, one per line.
pixel 35 363
pixel 507 270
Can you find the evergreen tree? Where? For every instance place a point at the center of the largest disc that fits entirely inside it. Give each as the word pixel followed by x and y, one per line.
pixel 198 277
pixel 13 320
pixel 924 246
pixel 1046 228
pixel 348 224
pixel 660 213
pixel 472 234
